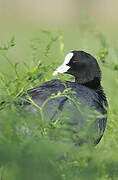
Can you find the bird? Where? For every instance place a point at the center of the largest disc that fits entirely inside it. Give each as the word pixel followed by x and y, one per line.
pixel 83 102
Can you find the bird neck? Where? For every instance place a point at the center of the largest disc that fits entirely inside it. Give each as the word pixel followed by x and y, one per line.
pixel 96 86
pixel 93 84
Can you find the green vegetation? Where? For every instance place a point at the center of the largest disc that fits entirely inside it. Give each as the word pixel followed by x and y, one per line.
pixel 27 149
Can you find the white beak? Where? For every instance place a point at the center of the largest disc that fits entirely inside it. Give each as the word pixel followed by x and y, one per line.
pixel 61 69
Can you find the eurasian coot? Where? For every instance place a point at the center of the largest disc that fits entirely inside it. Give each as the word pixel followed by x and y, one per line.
pixel 82 102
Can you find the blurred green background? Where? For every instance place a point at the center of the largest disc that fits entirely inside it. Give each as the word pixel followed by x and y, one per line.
pixel 58 12
pixel 25 18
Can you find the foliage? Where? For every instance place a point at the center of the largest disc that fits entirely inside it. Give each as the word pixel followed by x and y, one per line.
pixel 27 148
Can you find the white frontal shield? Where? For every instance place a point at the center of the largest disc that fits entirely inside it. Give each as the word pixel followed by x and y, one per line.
pixel 64 67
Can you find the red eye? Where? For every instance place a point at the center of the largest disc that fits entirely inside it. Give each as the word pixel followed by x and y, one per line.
pixel 75 60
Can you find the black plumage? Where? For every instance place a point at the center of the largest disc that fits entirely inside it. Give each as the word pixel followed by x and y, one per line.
pixel 86 91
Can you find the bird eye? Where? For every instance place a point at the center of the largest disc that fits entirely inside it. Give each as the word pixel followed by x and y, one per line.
pixel 75 60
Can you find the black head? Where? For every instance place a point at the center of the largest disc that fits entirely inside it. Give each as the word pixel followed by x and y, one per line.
pixel 83 67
